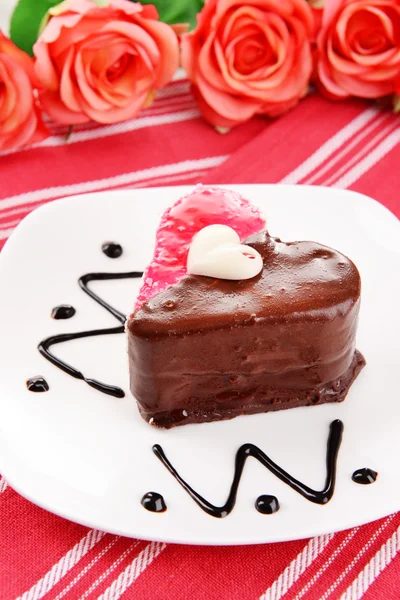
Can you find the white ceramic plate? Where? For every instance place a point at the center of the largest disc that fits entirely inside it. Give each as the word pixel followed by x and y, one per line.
pixel 87 456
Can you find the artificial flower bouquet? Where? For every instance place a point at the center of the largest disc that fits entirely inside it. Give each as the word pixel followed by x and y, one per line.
pixel 103 60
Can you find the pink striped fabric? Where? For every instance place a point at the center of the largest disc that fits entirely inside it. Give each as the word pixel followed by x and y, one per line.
pixel 352 145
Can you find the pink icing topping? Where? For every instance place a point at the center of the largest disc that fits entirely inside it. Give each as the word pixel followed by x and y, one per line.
pixel 204 206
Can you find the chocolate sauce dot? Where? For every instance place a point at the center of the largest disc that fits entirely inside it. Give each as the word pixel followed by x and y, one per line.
pixel 64 311
pixel 364 476
pixel 37 384
pixel 154 502
pixel 112 250
pixel 267 505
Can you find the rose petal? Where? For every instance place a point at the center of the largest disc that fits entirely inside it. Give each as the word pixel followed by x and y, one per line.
pixel 69 91
pixel 90 95
pixel 115 114
pixel 227 105
pixel 19 86
pixel 55 107
pixel 212 116
pixel 364 88
pixel 168 48
pixel 20 123
pixel 331 8
pixel 328 82
pixel 131 31
pixel 44 67
pixel 9 93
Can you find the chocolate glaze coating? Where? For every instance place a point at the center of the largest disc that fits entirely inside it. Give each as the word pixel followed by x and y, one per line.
pixel 208 349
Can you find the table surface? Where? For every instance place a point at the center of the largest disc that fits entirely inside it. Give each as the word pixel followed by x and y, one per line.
pixel 351 145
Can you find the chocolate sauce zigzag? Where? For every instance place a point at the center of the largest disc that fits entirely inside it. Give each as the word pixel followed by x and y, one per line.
pixel 318 497
pixel 45 345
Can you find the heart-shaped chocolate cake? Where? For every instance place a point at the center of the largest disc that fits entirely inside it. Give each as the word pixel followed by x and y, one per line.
pixel 229 342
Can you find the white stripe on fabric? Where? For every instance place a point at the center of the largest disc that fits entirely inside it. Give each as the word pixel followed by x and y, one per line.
pixel 108 182
pixel 197 176
pixel 3 485
pixel 174 90
pixel 327 563
pixel 369 161
pixel 155 172
pixel 10 212
pixel 170 101
pixel 330 146
pixel 373 569
pixel 356 159
pixel 108 571
pixel 22 211
pixel 62 567
pixel 11 223
pixel 307 166
pixel 163 106
pixel 88 567
pixel 115 129
pixel 357 557
pixel 132 572
pixel 346 149
pixel 296 568
pixel 177 107
pixel 5 233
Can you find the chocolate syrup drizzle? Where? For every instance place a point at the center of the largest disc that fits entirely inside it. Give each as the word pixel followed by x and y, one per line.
pixel 364 476
pixel 318 497
pixel 64 311
pixel 112 250
pixel 45 345
pixel 267 505
pixel 154 502
pixel 37 384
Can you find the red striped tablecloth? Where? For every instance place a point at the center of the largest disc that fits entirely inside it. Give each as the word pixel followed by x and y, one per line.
pixel 351 145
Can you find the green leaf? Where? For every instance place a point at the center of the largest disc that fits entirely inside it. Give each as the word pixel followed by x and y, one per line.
pixel 26 20
pixel 177 11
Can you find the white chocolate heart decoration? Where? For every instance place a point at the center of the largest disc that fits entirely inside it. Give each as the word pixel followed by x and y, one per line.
pixel 209 238
pixel 216 251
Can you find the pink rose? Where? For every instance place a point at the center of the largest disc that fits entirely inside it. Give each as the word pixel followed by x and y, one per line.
pixel 20 120
pixel 247 58
pixel 102 63
pixel 359 48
